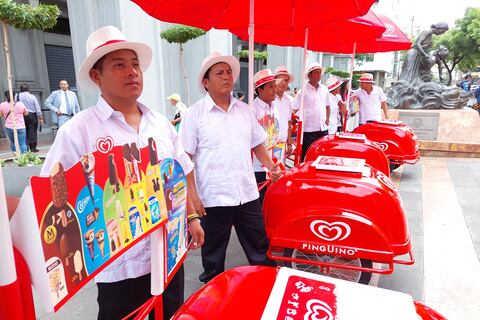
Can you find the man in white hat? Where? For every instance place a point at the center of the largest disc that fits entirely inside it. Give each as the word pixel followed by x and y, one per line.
pixel 316 107
pixel 220 133
pixel 373 102
pixel 115 67
pixel 337 106
pixel 176 101
pixel 264 84
pixel 283 104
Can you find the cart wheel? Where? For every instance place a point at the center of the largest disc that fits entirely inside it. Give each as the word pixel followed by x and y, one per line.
pixel 394 166
pixel 338 273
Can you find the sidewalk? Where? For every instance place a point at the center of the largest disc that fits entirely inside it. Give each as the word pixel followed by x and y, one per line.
pixel 45 140
pixel 441 199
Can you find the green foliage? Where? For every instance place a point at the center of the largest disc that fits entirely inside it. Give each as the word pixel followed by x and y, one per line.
pixel 28 159
pixel 257 55
pixel 463 42
pixel 2 163
pixel 181 34
pixel 24 16
pixel 344 75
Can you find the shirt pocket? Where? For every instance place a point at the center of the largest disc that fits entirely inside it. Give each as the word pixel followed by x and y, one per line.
pixel 208 137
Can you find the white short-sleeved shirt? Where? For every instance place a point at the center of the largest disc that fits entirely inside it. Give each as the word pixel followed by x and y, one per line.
pixel 370 104
pixel 79 135
pixel 221 144
pixel 315 107
pixel 283 112
pixel 268 119
pixel 334 113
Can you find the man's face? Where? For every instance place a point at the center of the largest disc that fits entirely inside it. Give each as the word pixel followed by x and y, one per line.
pixel 64 85
pixel 315 76
pixel 366 85
pixel 282 83
pixel 121 76
pixel 267 93
pixel 220 79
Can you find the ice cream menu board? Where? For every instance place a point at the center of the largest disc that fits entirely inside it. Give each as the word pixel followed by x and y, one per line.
pixel 100 207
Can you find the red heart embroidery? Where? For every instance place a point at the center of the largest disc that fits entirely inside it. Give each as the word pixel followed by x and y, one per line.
pixel 105 144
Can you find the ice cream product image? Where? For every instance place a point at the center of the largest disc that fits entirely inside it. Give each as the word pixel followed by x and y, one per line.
pixel 99 236
pixel 114 235
pixel 113 174
pixel 64 248
pixel 88 166
pixel 78 264
pixel 58 185
pixel 89 238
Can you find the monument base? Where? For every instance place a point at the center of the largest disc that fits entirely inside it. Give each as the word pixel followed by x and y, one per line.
pixel 451 133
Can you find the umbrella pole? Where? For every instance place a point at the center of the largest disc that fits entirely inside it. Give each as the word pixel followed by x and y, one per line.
pixel 349 87
pixel 251 34
pixel 302 97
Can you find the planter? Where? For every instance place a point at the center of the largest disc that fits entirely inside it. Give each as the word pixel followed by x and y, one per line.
pixel 17 178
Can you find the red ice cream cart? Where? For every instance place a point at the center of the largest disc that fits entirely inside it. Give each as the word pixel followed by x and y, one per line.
pixel 395 138
pixel 263 293
pixel 335 216
pixel 349 145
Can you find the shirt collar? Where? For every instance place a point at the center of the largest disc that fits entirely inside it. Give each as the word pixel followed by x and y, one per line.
pixel 210 103
pixel 105 111
pixel 262 104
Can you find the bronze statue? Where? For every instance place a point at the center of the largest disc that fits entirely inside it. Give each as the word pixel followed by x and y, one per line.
pixel 415 89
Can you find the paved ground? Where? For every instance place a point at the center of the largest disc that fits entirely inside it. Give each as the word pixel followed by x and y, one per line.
pixel 442 200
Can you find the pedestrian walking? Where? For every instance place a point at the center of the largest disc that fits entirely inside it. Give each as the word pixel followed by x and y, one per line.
pixel 19 112
pixel 34 117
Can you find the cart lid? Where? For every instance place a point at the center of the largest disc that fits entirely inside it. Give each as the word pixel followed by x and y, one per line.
pixel 302 295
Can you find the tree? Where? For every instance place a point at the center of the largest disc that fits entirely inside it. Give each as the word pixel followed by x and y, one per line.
pixel 25 17
pixel 182 34
pixel 463 43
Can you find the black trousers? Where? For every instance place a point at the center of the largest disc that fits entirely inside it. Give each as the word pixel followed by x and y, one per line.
pixel 117 299
pixel 31 124
pixel 261 177
pixel 217 225
pixel 309 138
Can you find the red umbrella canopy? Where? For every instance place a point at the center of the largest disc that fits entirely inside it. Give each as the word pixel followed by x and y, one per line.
pixel 393 39
pixel 321 37
pixel 227 14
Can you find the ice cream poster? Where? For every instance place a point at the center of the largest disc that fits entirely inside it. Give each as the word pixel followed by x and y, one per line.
pixel 93 212
pixel 176 236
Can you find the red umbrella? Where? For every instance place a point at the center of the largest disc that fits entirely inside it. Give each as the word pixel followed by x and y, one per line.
pixel 227 14
pixel 322 36
pixel 393 39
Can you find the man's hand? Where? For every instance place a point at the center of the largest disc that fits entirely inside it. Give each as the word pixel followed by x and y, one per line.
pixel 198 236
pixel 327 122
pixel 276 172
pixel 289 148
pixel 41 122
pixel 59 113
pixel 197 205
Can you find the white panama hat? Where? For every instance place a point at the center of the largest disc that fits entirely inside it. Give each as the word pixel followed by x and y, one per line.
pixel 103 41
pixel 262 77
pixel 214 58
pixel 283 70
pixel 333 83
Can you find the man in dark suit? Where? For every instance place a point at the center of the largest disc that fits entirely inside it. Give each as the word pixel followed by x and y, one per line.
pixel 33 117
pixel 63 103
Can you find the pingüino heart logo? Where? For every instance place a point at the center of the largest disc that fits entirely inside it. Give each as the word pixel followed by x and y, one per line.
pixel 318 310
pixel 330 231
pixel 105 144
pixel 382 145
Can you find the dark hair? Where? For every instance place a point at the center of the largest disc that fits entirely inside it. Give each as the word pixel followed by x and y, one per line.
pixel 99 64
pixel 24 87
pixel 7 95
pixel 260 87
pixel 240 94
